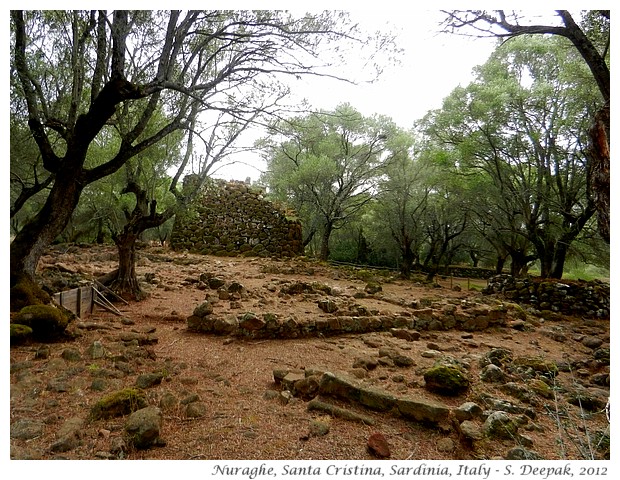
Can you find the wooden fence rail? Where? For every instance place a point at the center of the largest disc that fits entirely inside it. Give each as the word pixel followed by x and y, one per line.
pixel 78 300
pixel 82 300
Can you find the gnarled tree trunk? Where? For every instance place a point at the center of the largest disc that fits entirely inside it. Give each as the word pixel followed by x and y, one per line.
pixel 599 156
pixel 126 282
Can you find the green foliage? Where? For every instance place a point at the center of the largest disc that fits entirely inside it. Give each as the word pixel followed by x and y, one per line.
pixel 515 136
pixel 325 166
pixel 107 93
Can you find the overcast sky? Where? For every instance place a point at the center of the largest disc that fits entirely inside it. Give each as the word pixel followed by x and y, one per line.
pixel 431 66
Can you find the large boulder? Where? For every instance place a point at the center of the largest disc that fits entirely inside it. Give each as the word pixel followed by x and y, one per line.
pixel 25 292
pixel 46 321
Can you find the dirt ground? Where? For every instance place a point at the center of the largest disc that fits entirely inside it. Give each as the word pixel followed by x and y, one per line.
pixel 231 376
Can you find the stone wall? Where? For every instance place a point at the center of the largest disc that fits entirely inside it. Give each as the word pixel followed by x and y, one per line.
pixel 468 272
pixel 232 218
pixel 588 299
pixel 345 318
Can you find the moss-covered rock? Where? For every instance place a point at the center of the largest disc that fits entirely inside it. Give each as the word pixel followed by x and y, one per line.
pixel 541 388
pixel 500 425
pixel 46 321
pixel 119 403
pixel 539 365
pixel 143 427
pixel 25 292
pixel 446 380
pixel 20 333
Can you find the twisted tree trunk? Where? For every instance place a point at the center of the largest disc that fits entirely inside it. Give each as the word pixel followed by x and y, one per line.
pixel 599 155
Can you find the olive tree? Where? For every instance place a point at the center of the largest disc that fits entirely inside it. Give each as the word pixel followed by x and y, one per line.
pixel 86 76
pixel 326 166
pixel 589 33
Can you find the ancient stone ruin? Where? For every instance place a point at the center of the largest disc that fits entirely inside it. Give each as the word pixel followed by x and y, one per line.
pixel 233 218
pixel 587 299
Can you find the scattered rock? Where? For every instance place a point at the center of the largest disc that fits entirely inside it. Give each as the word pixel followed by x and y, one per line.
pixel 347 414
pixel 69 435
pixel 423 411
pixel 26 428
pixel 216 282
pixel 397 358
pixel 519 391
pixel 20 334
pixel 500 425
pixel 98 384
pixel 251 321
pixel 372 342
pixel 168 401
pixel 538 365
pixel 328 306
pixel 592 342
pixel 467 411
pixel 196 410
pixel 205 308
pixel 378 445
pixel 71 354
pixel 143 427
pixel 95 350
pixel 470 431
pixel 237 288
pixel 118 446
pixel 492 374
pixel 289 380
pixel 445 445
pixel 373 287
pixel 307 388
pixel 285 397
pixel 446 380
pixel 589 400
pixel 367 363
pixel 271 394
pixel 521 453
pixel 192 397
pixel 320 427
pixel 119 403
pixel 539 387
pixel 47 322
pixel 147 380
pixel 409 335
pixel 602 355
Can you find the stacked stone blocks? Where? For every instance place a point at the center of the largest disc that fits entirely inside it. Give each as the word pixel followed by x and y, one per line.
pixel 233 218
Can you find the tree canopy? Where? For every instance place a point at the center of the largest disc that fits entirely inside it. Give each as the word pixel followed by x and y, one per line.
pixel 110 110
pixel 85 77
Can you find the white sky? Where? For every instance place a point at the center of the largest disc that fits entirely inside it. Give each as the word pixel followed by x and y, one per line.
pixel 431 66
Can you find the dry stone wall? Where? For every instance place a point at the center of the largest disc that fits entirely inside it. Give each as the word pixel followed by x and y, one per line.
pixel 232 218
pixel 587 299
